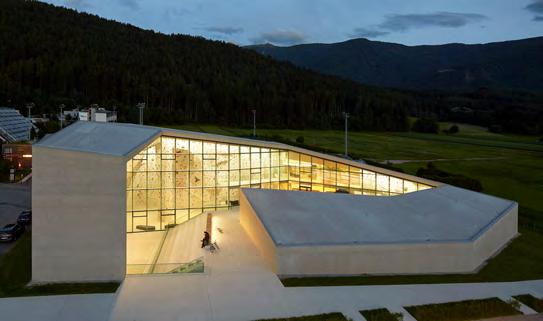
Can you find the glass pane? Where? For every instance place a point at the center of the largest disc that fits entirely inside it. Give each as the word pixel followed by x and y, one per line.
pixel 168 179
pixel 181 146
pixel 181 198
pixel 382 183
pixel 195 179
pixel 168 145
pixel 196 198
pixel 368 182
pixel 153 199
pixel 409 186
pixel 195 147
pixel 168 199
pixel 182 179
pixel 396 185
pixel 182 162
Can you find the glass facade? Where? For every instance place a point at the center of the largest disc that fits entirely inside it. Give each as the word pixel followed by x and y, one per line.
pixel 176 179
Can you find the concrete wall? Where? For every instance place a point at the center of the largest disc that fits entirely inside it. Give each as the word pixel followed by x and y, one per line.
pixel 257 233
pixel 416 258
pixel 79 220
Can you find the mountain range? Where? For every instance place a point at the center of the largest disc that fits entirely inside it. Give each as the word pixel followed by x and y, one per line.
pixel 514 64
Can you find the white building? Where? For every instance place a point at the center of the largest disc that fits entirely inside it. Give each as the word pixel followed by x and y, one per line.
pixel 98 114
pixel 103 194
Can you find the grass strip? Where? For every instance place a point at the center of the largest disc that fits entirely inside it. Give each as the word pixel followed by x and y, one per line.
pixel 381 315
pixel 16 271
pixel 336 316
pixel 462 310
pixel 531 301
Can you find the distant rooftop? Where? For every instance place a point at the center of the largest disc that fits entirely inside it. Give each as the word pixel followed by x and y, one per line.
pixel 14 126
pixel 442 214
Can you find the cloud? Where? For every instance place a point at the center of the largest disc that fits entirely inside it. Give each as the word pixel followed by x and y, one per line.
pixel 280 37
pixel 403 22
pixel 130 4
pixel 224 30
pixel 536 6
pixel 538 18
pixel 367 33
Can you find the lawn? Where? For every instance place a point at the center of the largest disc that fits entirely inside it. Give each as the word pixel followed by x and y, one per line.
pixel 15 273
pixel 381 315
pixel 320 317
pixel 462 310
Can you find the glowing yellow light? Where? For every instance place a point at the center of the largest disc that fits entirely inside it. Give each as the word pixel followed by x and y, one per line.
pixel 27 156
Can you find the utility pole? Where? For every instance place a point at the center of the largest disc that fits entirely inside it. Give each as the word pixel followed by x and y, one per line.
pixel 346 116
pixel 61 115
pixel 254 122
pixel 141 106
pixel 29 106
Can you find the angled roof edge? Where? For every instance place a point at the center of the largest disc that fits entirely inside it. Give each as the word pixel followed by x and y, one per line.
pixel 126 140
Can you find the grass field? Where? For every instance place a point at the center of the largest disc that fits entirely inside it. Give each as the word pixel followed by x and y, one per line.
pixel 15 273
pixel 463 310
pixel 319 317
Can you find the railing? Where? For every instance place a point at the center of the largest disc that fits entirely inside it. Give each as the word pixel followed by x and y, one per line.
pixel 196 266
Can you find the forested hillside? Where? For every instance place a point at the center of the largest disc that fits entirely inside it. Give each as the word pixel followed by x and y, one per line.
pixel 51 55
pixel 516 64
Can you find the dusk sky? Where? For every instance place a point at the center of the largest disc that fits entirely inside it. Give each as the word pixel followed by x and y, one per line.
pixel 288 22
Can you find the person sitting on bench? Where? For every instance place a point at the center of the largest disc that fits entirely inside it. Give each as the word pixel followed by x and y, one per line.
pixel 206 239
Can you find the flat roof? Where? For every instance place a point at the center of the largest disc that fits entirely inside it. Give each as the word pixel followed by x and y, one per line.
pixel 442 214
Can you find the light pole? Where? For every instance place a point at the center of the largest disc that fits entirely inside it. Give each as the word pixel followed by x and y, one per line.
pixel 61 115
pixel 29 106
pixel 346 116
pixel 254 122
pixel 141 106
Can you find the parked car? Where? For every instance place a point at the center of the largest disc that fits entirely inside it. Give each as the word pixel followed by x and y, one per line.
pixel 11 232
pixel 25 217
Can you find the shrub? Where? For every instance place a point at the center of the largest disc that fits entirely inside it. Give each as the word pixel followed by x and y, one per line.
pixel 425 125
pixel 495 129
pixel 452 130
pixel 300 139
pixel 433 173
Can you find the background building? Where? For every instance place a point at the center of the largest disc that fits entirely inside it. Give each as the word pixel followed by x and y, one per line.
pixel 97 114
pixel 13 126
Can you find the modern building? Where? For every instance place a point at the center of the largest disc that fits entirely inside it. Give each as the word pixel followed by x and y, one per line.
pixel 101 191
pixel 13 126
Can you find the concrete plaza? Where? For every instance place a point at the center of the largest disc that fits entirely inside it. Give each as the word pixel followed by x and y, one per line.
pixel 238 285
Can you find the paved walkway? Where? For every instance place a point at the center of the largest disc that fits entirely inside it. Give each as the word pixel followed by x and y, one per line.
pixel 238 286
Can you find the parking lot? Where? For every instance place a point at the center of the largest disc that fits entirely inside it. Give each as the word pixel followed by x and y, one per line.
pixel 14 198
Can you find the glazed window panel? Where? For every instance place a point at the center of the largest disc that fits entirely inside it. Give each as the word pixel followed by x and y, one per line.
pixel 168 145
pixel 182 162
pixel 396 185
pixel 195 147
pixel 182 146
pixel 175 179
pixel 368 180
pixel 382 183
pixel 209 148
pixel 168 180
pixel 255 160
pixel 409 186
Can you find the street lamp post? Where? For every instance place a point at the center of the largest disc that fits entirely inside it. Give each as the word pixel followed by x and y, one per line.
pixel 141 106
pixel 346 116
pixel 254 122
pixel 61 115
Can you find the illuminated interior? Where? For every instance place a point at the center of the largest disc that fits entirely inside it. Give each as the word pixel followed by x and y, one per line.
pixel 176 179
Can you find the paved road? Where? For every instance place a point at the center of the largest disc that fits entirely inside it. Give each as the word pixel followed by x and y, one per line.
pixel 14 198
